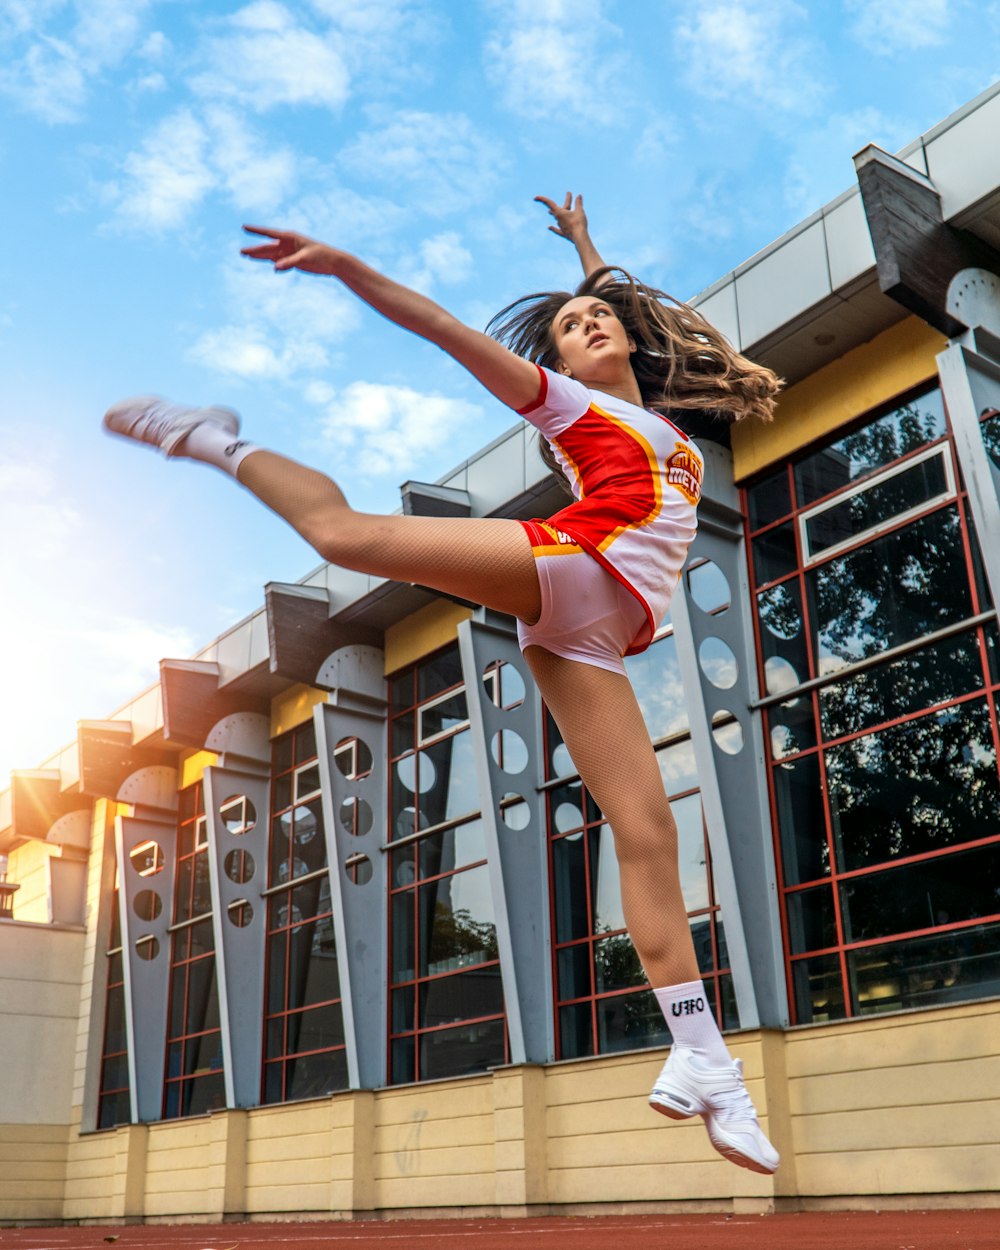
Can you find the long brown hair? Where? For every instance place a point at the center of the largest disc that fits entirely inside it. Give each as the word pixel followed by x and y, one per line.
pixel 681 362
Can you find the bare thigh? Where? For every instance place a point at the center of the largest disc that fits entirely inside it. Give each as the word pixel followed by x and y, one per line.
pixel 602 725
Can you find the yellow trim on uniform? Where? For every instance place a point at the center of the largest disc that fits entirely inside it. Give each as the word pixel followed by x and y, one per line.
pixel 865 377
pixel 654 469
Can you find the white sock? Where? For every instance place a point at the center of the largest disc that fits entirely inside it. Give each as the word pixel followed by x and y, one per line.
pixel 214 445
pixel 689 1018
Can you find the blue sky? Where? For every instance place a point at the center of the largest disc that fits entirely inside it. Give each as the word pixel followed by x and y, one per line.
pixel 137 135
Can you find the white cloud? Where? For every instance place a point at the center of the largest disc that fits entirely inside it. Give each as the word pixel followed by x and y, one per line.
pixel 440 159
pixel 155 46
pixel 441 260
pixel 187 157
pixel 388 429
pixel 747 52
pixel 283 324
pixel 889 27
pixel 48 81
pixel 52 76
pixel 107 29
pixel 168 176
pixel 255 179
pixel 150 83
pixel 266 58
pixel 548 55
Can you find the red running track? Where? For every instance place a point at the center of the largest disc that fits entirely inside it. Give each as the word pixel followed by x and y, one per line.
pixel 836 1230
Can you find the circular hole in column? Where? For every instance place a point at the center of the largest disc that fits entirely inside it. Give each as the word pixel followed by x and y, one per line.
pixel 147 858
pixel 509 751
pixel 727 732
pixel 779 612
pixel 147 947
pixel 562 761
pixel 780 675
pixel 240 913
pixel 359 869
pixel 718 663
pixel 416 770
pixel 353 757
pixel 147 905
pixel 239 866
pixel 514 811
pixel 405 872
pixel 567 816
pixel 356 816
pixel 289 871
pixel 709 587
pixel 504 684
pixel 300 824
pixel 783 741
pixel 238 814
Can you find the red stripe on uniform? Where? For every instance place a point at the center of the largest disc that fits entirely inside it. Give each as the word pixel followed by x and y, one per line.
pixel 539 400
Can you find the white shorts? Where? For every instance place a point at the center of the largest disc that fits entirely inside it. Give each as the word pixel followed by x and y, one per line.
pixel 587 614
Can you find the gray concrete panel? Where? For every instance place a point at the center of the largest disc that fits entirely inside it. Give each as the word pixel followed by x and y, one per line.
pixel 237 806
pixel 515 835
pixel 146 900
pixel 715 649
pixel 354 785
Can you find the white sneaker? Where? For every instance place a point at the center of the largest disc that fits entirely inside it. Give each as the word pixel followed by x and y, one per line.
pixel 149 419
pixel 687 1087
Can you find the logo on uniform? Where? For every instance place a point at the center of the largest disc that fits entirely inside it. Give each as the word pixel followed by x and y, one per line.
pixel 685 471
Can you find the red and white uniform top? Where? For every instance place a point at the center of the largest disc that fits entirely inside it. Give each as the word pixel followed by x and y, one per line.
pixel 636 480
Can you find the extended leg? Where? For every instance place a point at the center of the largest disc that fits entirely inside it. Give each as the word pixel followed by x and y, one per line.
pixel 487 560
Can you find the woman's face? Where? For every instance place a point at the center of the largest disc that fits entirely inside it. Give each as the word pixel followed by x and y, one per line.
pixel 592 343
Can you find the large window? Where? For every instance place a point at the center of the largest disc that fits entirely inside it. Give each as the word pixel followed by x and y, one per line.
pixel 878 658
pixel 446 1014
pixel 113 1105
pixel 603 1001
pixel 304 1048
pixel 194 1077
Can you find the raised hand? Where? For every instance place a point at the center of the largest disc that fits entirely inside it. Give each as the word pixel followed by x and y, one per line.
pixel 289 250
pixel 571 220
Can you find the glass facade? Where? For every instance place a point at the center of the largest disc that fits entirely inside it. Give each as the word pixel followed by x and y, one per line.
pixel 194 1081
pixel 446 1012
pixel 304 1047
pixel 113 1106
pixel 880 688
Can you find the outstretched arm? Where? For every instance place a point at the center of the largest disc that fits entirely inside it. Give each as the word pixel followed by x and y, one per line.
pixel 511 379
pixel 571 224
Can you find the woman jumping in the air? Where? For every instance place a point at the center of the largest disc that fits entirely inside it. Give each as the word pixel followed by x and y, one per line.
pixel 587 586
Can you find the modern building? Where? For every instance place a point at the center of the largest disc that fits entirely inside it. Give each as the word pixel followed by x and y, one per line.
pixel 324 921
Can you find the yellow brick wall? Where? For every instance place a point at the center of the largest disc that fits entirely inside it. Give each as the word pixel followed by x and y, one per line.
pixel 863 1110
pixel 434 1145
pixel 902 1104
pixel 32 1171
